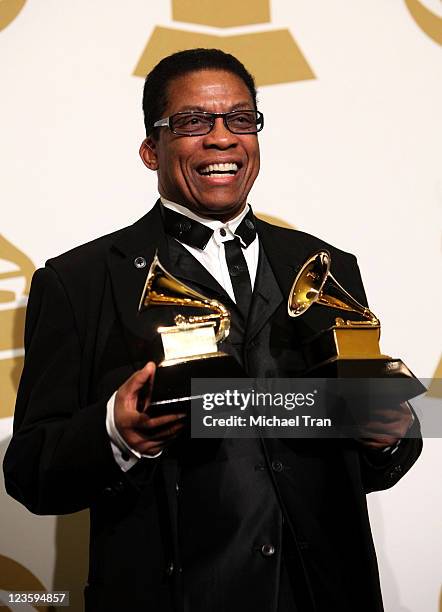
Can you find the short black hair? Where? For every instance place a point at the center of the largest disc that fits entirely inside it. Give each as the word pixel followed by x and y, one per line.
pixel 183 62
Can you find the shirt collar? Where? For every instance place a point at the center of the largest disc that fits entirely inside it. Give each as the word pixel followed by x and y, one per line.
pixel 213 224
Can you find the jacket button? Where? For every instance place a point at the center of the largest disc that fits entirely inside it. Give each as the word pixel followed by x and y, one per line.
pixel 277 466
pixel 114 489
pixel 139 262
pixel 119 486
pixel 169 569
pixel 396 472
pixel 267 550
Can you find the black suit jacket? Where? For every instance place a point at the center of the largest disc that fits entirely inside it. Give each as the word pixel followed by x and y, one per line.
pixel 84 338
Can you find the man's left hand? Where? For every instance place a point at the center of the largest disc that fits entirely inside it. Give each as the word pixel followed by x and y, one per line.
pixel 386 427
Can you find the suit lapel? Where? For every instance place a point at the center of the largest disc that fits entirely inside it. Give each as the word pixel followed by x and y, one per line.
pixel 283 257
pixel 279 261
pixel 287 251
pixel 135 246
pixel 190 270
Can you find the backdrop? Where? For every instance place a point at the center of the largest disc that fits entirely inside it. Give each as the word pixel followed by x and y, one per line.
pixel 352 94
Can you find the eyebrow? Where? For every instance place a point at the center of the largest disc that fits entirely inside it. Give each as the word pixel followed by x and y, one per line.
pixel 202 109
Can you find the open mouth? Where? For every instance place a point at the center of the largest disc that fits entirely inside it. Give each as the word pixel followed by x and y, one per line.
pixel 224 169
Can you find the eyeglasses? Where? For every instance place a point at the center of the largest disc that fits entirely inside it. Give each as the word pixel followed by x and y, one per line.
pixel 199 123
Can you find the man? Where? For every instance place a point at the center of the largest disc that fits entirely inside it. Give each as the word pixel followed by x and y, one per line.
pixel 181 524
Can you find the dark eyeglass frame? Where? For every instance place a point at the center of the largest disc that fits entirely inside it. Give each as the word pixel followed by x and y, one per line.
pixel 168 122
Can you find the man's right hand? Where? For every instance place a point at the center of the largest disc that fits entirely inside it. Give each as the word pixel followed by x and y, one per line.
pixel 146 434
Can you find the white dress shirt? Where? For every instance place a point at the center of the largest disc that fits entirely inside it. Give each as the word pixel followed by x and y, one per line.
pixel 214 260
pixel 213 257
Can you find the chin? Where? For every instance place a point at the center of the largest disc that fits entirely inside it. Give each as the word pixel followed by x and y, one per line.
pixel 214 209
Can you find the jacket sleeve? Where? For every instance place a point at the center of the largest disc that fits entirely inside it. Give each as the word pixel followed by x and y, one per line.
pixel 59 459
pixel 383 470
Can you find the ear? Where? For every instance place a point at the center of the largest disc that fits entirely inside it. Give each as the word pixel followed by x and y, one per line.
pixel 148 153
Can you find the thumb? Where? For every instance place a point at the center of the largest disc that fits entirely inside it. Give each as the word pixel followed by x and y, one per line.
pixel 141 377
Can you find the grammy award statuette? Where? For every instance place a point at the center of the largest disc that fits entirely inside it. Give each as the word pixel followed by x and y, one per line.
pixel 191 344
pixel 349 348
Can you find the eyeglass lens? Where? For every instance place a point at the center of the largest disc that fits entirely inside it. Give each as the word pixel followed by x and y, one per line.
pixel 248 122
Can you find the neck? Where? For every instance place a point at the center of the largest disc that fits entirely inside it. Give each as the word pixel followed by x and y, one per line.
pixel 204 215
pixel 221 215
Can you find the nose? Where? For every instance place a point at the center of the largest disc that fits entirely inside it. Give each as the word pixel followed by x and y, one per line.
pixel 220 137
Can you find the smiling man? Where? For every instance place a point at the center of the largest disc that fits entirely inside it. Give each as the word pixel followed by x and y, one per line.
pixel 178 524
pixel 212 170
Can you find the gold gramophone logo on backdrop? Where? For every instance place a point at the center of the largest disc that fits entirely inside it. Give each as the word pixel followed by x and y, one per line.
pixel 16 271
pixel 435 388
pixel 9 9
pixel 15 577
pixel 429 22
pixel 272 56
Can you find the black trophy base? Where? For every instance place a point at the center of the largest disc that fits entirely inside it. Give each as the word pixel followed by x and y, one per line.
pixel 392 376
pixel 173 382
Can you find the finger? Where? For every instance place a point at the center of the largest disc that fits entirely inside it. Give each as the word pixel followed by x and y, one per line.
pixel 372 445
pixel 383 429
pixel 140 378
pixel 165 433
pixel 145 393
pixel 379 441
pixel 159 421
pixel 154 447
pixel 141 435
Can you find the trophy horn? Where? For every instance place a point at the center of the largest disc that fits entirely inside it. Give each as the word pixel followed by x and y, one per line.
pixel 316 284
pixel 163 289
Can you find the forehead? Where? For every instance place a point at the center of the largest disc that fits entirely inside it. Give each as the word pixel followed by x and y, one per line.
pixel 210 90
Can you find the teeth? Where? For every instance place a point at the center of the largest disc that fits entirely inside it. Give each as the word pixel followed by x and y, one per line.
pixel 215 168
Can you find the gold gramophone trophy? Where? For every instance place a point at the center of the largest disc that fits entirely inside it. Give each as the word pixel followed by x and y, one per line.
pixel 349 348
pixel 191 345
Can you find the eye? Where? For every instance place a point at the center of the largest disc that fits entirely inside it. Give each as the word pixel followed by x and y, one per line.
pixel 244 120
pixel 189 121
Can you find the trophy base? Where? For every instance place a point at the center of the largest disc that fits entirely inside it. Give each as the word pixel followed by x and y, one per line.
pixel 173 379
pixel 406 386
pixel 352 351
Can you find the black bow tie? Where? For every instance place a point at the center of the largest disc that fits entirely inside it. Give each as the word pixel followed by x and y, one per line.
pixel 197 235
